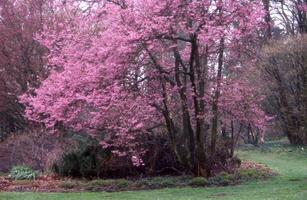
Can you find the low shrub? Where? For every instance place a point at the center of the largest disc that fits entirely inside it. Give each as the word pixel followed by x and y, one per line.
pixel 87 161
pixel 222 179
pixel 22 172
pixel 108 185
pixel 163 181
pixel 157 182
pixel 122 183
pixel 252 174
pixel 198 182
pixel 68 185
pixel 101 182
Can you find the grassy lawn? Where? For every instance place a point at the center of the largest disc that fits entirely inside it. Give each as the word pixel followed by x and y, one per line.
pixel 291 184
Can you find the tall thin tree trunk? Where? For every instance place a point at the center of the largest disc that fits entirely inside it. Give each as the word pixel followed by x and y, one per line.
pixel 215 110
pixel 267 19
pixel 199 107
pixel 186 119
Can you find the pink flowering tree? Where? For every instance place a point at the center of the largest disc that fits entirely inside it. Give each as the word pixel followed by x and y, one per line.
pixel 124 69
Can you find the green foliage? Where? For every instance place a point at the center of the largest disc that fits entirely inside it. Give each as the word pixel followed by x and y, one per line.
pixel 22 172
pixel 222 179
pixel 68 166
pixel 86 161
pixel 198 182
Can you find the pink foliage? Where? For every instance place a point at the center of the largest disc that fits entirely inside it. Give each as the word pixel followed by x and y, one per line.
pixel 109 62
pixel 302 7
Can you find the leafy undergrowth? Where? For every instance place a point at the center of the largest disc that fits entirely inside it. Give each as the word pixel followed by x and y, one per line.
pixel 290 162
pixel 248 171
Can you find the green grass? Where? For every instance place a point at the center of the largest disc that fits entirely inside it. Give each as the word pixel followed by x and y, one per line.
pixel 291 184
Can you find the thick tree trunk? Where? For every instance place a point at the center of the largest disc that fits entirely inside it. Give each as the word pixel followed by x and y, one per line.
pixel 216 98
pixel 186 119
pixel 196 69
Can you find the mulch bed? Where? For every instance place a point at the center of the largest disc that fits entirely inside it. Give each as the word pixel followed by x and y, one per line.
pixel 42 184
pixel 258 166
pixel 49 183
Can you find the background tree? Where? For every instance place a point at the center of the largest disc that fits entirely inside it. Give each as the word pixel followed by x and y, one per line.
pixel 21 61
pixel 284 68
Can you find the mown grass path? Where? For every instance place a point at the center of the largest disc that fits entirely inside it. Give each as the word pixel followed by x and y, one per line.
pixel 291 184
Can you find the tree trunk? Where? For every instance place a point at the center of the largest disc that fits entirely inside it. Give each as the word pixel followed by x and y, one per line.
pixel 267 19
pixel 216 98
pixel 201 163
pixel 186 119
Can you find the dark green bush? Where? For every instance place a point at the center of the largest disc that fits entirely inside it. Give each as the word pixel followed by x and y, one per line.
pixel 198 182
pixel 86 161
pixel 22 172
pixel 222 179
pixel 69 165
